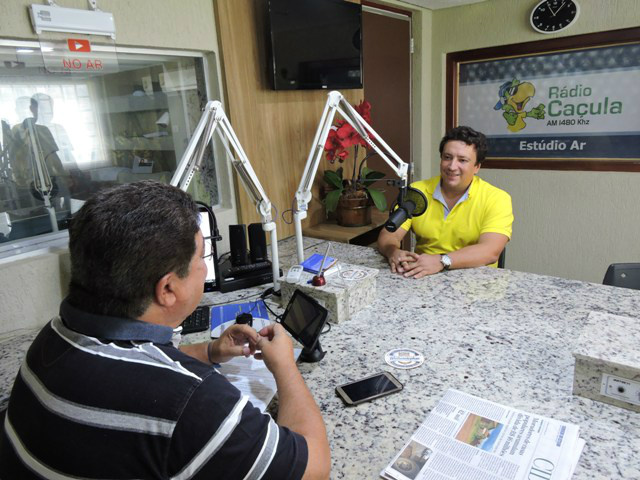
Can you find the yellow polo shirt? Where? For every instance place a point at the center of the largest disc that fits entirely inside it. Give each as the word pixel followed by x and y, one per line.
pixel 487 209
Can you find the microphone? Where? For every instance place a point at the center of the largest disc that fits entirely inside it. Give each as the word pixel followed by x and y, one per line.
pixel 411 203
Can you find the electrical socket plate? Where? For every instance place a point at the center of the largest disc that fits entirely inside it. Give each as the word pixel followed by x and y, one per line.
pixel 620 388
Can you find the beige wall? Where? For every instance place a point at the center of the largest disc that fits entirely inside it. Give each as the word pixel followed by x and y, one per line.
pixel 568 224
pixel 31 289
pixel 175 24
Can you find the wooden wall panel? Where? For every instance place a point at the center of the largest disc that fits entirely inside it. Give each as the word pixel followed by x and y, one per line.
pixel 276 128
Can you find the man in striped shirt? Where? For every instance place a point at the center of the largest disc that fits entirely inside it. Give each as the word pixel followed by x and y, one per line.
pixel 103 393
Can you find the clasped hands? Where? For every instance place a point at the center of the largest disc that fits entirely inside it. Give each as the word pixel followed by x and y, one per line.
pixel 410 264
pixel 271 344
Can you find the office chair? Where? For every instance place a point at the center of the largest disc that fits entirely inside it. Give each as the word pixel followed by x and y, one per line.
pixel 626 275
pixel 501 258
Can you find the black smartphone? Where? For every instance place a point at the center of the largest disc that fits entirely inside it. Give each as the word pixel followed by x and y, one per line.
pixel 368 388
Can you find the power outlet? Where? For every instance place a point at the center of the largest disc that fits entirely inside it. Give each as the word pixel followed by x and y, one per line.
pixel 620 388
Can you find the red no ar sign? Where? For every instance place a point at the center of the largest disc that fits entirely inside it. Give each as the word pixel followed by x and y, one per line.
pixel 80 45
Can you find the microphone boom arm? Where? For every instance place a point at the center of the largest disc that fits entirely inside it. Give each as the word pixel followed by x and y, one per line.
pixel 42 182
pixel 336 103
pixel 214 120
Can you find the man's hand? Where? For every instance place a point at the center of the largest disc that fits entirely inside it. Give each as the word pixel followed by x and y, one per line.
pixel 235 341
pixel 400 260
pixel 276 348
pixel 424 265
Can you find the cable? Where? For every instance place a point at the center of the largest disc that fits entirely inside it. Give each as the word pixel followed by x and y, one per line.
pixel 266 293
pixel 278 317
pixel 276 209
pixel 327 330
pixel 292 210
pixel 315 244
pixel 215 234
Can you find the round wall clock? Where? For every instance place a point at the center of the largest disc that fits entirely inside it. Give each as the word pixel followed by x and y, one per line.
pixel 551 16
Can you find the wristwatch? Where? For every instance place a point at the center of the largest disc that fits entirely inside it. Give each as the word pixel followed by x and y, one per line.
pixel 445 261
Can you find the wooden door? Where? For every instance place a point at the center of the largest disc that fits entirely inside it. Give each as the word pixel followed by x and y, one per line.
pixel 386 36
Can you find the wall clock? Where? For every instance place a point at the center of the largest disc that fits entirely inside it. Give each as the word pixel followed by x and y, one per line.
pixel 551 16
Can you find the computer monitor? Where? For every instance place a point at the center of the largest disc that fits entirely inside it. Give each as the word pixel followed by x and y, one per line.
pixel 207 226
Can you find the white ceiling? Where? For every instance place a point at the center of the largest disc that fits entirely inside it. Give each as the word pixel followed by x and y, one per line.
pixel 435 4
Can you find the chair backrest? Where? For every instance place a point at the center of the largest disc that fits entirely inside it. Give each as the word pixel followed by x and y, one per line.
pixel 625 275
pixel 501 258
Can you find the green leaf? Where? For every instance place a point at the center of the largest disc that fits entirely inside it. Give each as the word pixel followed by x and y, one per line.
pixel 331 200
pixel 378 199
pixel 333 179
pixel 370 176
pixel 374 175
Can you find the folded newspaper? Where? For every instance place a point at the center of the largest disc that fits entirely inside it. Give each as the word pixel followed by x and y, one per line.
pixel 465 437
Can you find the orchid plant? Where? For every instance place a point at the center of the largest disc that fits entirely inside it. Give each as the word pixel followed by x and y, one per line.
pixel 342 137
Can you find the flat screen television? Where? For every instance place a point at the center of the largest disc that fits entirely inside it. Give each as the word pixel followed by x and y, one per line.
pixel 315 44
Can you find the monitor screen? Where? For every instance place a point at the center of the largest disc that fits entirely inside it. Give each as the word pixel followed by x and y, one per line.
pixel 205 227
pixel 315 44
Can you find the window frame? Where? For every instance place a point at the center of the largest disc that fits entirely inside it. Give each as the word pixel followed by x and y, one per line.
pixel 51 241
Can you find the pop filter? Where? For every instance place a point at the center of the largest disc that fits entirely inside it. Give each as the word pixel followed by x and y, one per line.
pixel 411 203
pixel 418 199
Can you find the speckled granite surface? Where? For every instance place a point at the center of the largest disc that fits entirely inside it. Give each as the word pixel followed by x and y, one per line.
pixel 348 290
pixel 502 335
pixel 609 344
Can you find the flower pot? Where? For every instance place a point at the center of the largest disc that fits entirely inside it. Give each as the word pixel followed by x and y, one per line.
pixel 353 211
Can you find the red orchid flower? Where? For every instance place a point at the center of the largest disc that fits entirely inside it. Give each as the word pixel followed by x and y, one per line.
pixel 342 135
pixel 347 135
pixel 364 109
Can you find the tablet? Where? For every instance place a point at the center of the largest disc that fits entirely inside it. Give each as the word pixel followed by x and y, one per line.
pixel 304 318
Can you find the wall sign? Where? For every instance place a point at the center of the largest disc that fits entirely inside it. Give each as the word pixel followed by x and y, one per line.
pixel 571 103
pixel 78 55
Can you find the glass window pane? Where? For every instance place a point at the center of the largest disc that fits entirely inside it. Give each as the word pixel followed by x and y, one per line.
pixel 64 137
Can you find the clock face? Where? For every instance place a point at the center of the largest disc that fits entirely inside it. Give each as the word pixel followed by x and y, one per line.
pixel 550 16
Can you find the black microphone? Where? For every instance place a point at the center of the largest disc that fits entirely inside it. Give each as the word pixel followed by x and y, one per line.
pixel 411 203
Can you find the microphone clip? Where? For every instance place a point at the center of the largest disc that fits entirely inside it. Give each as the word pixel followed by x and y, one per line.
pixel 410 203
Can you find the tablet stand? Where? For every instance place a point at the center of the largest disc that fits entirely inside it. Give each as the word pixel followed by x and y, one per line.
pixel 312 355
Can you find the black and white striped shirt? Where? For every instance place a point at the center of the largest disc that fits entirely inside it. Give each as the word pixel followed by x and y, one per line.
pixel 105 397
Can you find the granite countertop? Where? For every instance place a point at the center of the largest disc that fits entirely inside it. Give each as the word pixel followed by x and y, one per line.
pixel 502 335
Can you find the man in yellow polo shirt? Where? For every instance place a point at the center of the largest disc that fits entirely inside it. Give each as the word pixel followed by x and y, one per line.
pixel 467 222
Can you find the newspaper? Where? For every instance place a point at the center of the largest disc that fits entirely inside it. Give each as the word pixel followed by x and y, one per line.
pixel 465 437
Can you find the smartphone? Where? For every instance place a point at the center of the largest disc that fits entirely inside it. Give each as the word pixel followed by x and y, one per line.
pixel 368 388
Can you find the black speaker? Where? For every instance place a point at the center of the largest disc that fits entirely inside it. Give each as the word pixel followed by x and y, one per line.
pixel 238 243
pixel 257 243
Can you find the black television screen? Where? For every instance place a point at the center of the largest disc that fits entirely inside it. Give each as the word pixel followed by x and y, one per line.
pixel 315 44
